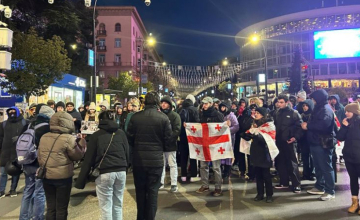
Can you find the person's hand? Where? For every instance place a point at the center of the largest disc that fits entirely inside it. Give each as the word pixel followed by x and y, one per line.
pixel 254 125
pixel 291 140
pixel 228 122
pixel 74 119
pixel 184 125
pixel 345 122
pixel 304 126
pixel 232 161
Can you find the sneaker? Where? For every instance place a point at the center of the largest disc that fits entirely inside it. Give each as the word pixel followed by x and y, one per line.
pixel 235 168
pixel 183 179
pixel 13 193
pixel 174 189
pixel 326 197
pixel 217 192
pixel 258 198
pixel 269 199
pixel 2 194
pixel 202 189
pixel 281 187
pixel 315 191
pixel 297 189
pixel 161 186
pixel 195 179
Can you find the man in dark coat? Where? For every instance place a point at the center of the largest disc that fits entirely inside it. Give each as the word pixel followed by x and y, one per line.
pixel 210 115
pixel 337 107
pixel 321 123
pixel 34 191
pixel 288 131
pixel 149 133
pixel 188 113
pixel 10 130
pixel 170 152
pixel 86 109
pixel 75 114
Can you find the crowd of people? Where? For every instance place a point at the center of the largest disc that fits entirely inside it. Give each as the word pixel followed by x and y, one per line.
pixel 147 136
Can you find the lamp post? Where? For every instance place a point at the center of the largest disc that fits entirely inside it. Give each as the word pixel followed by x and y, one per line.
pixel 150 41
pixel 255 39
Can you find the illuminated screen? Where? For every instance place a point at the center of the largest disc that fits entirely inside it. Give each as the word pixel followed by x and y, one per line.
pixel 337 43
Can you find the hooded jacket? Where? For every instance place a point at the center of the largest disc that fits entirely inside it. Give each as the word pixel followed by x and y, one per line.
pixel 193 117
pixel 306 115
pixel 9 134
pixel 175 122
pixel 65 150
pixel 211 116
pixel 115 160
pixel 149 133
pixel 350 134
pixel 339 108
pixel 83 113
pixel 322 118
pixel 75 114
pixel 288 124
pixel 234 127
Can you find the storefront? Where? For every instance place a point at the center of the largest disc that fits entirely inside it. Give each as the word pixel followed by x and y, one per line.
pixel 70 89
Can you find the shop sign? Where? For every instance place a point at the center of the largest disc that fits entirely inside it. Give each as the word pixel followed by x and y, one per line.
pixel 79 82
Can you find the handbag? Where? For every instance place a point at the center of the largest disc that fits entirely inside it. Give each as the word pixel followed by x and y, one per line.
pixel 41 171
pixel 95 172
pixel 328 141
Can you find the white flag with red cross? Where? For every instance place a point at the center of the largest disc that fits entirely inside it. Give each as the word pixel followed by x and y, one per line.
pixel 209 141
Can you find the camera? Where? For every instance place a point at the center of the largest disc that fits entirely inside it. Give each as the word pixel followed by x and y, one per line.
pixel 7 12
pixel 147 2
pixel 87 3
pixel 51 1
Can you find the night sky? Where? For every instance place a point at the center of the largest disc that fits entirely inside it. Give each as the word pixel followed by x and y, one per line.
pixel 201 32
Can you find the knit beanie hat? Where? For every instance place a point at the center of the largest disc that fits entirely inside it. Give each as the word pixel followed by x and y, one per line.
pixel 302 95
pixel 191 97
pixel 262 111
pixel 353 107
pixel 92 106
pixel 106 104
pixel 46 110
pixel 60 104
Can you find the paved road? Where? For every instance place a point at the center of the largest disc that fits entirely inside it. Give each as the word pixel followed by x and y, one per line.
pixel 236 203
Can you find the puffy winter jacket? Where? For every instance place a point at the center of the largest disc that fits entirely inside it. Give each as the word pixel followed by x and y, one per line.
pixel 149 133
pixel 192 116
pixel 65 150
pixel 339 108
pixel 115 160
pixel 175 122
pixel 288 124
pixel 350 134
pixel 211 116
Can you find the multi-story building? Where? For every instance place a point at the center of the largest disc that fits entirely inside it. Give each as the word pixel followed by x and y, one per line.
pixel 281 35
pixel 121 43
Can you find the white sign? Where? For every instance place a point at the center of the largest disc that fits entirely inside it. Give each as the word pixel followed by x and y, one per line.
pixel 132 93
pixel 80 83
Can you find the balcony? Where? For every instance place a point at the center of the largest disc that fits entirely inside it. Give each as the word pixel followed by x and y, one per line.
pixel 101 48
pixel 102 63
pixel 101 33
pixel 122 64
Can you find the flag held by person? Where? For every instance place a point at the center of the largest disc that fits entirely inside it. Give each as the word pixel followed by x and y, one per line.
pixel 209 141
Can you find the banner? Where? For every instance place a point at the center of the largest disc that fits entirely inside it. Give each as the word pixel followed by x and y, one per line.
pixel 209 141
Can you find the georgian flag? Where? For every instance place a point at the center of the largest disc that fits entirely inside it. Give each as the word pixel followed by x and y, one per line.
pixel 209 141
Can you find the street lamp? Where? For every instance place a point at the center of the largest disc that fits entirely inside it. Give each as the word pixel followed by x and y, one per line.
pixel 73 46
pixel 225 62
pixel 150 41
pixel 164 63
pixel 255 39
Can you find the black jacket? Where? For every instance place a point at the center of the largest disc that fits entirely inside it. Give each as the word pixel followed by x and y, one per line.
pixel 75 114
pixel 351 135
pixel 8 138
pixel 193 117
pixel 211 115
pixel 115 160
pixel 175 122
pixel 149 132
pixel 288 124
pixel 322 118
pixel 339 108
pixel 259 151
pixel 306 115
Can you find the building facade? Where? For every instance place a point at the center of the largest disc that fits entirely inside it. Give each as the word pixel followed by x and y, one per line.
pixel 121 43
pixel 281 35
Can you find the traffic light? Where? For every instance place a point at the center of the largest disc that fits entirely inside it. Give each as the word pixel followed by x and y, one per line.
pixel 304 68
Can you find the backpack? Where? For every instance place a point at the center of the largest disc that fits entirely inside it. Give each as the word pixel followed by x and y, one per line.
pixel 26 148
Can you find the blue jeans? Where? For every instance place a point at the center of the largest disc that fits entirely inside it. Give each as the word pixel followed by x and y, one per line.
pixel 4 178
pixel 324 171
pixel 33 201
pixel 110 192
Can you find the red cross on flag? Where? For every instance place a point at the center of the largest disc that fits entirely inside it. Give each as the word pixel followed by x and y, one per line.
pixel 209 141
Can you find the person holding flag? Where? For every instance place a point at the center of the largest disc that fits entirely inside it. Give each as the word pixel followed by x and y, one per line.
pixel 263 151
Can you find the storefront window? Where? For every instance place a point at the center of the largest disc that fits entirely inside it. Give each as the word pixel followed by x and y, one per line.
pixel 78 98
pixel 352 68
pixel 345 83
pixel 69 95
pixel 333 68
pixel 321 84
pixel 342 68
pixel 323 69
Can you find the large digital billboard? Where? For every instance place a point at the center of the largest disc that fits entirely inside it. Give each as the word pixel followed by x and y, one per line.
pixel 337 43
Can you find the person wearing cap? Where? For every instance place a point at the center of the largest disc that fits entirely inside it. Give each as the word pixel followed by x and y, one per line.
pixel 230 117
pixel 216 103
pixel 234 107
pixel 10 130
pixel 32 112
pixel 75 114
pixel 81 109
pixel 260 154
pixel 91 114
pixel 300 99
pixel 104 105
pixel 51 104
pixel 60 106
pixel 288 131
pixel 34 191
pixel 349 132
pixel 322 123
pixel 188 113
pixel 170 152
pixel 210 115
